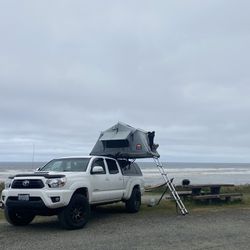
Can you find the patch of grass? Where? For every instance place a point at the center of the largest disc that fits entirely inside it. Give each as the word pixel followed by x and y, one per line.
pixel 169 206
pixel 244 189
pixel 192 205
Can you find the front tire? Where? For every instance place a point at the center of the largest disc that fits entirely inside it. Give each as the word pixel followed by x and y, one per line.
pixel 76 214
pixel 17 218
pixel 133 204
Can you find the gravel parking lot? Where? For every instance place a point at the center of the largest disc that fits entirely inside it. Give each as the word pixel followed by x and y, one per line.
pixel 112 228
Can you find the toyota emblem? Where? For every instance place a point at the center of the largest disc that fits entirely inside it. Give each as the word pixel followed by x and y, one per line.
pixel 26 183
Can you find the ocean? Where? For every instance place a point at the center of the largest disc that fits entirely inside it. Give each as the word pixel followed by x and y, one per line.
pixel 197 173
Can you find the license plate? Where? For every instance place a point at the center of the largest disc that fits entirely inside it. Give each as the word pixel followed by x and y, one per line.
pixel 23 197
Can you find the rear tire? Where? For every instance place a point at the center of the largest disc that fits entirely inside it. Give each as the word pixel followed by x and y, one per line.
pixel 76 214
pixel 133 204
pixel 17 218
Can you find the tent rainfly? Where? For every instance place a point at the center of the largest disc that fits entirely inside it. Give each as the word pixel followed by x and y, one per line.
pixel 124 141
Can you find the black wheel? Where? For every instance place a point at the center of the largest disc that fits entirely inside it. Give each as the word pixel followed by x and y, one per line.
pixel 17 218
pixel 76 214
pixel 133 204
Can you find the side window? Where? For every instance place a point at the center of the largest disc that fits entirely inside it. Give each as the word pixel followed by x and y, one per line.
pixel 99 162
pixel 130 169
pixel 112 166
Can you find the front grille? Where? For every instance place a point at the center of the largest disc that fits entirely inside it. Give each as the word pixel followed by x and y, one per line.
pixel 27 183
pixel 15 198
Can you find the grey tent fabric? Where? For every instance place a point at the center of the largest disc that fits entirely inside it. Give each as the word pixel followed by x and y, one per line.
pixel 124 141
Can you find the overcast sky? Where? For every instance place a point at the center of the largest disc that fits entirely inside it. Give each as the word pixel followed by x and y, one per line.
pixel 70 69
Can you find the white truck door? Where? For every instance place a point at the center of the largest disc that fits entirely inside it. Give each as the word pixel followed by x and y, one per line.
pixel 116 183
pixel 100 182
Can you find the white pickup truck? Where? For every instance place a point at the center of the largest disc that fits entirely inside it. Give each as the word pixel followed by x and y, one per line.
pixel 69 186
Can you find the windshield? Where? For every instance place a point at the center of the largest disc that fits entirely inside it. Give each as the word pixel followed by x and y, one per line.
pixel 67 165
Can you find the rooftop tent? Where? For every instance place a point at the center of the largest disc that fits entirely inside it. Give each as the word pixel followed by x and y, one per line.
pixel 124 141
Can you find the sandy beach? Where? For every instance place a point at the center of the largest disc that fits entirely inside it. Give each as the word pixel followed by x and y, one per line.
pixel 110 227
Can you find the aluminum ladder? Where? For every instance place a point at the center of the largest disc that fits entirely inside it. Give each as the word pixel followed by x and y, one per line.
pixel 171 187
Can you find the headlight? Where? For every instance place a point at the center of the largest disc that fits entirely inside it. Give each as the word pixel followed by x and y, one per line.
pixel 56 183
pixel 7 183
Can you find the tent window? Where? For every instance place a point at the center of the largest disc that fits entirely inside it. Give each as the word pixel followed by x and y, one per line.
pixel 116 143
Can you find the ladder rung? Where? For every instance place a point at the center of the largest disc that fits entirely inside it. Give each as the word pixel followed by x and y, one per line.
pixel 171 187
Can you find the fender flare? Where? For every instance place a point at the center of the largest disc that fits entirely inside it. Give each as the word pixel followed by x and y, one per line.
pixel 76 186
pixel 130 187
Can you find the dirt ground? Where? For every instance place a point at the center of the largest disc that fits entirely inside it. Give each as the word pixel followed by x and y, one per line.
pixel 110 227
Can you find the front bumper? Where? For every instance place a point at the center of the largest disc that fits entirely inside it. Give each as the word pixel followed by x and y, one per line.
pixel 38 198
pixel 35 204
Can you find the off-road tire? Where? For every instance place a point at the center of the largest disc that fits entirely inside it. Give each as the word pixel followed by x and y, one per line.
pixel 133 204
pixel 76 214
pixel 17 218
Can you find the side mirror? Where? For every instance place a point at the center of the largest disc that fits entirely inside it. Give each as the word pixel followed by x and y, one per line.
pixel 38 169
pixel 97 170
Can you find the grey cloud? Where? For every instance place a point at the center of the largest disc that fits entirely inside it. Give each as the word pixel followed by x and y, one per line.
pixel 70 70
